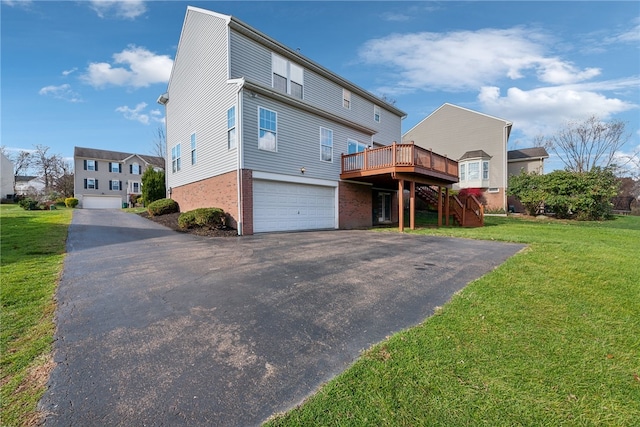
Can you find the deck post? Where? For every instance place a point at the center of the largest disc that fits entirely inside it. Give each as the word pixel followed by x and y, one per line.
pixel 393 154
pixel 412 205
pixel 439 206
pixel 401 204
pixel 447 213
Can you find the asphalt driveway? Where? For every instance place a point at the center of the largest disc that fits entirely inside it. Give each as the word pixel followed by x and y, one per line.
pixel 159 328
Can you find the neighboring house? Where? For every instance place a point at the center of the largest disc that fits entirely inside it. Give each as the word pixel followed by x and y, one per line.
pixel 526 160
pixel 7 182
pixel 108 179
pixel 477 141
pixel 29 185
pixel 259 130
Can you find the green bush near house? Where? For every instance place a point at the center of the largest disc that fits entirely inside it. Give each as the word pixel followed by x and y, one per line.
pixel 71 202
pixel 202 217
pixel 28 204
pixel 163 207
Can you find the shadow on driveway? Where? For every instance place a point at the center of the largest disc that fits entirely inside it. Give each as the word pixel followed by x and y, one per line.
pixel 162 328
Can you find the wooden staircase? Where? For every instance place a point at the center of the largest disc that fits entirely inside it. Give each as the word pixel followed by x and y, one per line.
pixel 467 211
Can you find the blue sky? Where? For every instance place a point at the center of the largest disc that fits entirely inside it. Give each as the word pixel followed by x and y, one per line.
pixel 88 73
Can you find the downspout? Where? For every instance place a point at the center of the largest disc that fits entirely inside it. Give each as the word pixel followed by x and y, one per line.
pixel 505 169
pixel 240 160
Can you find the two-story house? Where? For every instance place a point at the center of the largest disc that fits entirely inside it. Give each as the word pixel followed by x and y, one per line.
pixel 259 130
pixel 477 141
pixel 106 179
pixel 7 179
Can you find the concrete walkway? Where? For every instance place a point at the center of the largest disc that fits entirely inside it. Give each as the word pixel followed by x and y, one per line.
pixel 158 328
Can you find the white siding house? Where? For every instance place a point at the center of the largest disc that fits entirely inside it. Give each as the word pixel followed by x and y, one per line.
pixel 258 130
pixel 7 182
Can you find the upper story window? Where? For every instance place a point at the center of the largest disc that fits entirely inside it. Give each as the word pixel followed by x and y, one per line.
pixel 231 127
pixel 287 76
pixel 175 158
pixel 346 99
pixel 114 167
pixel 193 148
pixel 326 144
pixel 90 165
pixel 135 169
pixel 267 135
pixel 376 114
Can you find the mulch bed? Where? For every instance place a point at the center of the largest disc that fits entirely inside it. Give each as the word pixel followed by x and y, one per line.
pixel 171 221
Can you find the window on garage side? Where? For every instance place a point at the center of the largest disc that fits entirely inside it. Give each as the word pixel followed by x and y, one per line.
pixel 91 184
pixel 376 113
pixel 193 148
pixel 231 128
pixel 267 134
pixel 115 185
pixel 346 99
pixel 326 144
pixel 175 158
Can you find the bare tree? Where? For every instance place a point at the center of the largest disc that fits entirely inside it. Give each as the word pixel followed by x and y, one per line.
pixel 48 166
pixel 592 142
pixel 64 183
pixel 159 143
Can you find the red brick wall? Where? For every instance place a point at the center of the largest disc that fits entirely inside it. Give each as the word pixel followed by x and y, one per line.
pixel 247 202
pixel 355 208
pixel 495 200
pixel 217 192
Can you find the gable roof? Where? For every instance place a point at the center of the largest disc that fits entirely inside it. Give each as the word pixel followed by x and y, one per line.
pixel 527 153
pixel 259 37
pixel 115 156
pixel 475 154
pixel 507 123
pixel 25 178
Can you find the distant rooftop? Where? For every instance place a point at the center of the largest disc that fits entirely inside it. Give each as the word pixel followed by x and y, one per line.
pixel 115 156
pixel 528 153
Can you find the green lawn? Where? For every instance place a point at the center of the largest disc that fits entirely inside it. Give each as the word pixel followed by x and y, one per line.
pixel 32 253
pixel 550 338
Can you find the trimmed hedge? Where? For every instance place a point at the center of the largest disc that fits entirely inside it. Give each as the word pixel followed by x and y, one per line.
pixel 163 207
pixel 71 202
pixel 201 217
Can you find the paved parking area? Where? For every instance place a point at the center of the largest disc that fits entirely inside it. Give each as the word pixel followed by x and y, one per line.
pixel 160 328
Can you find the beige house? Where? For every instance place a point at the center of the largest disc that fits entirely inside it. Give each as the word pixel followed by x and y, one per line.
pixel 108 179
pixel 477 141
pixel 527 160
pixel 7 182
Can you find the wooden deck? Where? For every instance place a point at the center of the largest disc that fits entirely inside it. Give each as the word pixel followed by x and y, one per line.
pixel 405 159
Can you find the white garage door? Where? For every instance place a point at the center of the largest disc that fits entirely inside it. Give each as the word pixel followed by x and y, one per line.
pixel 101 202
pixel 283 206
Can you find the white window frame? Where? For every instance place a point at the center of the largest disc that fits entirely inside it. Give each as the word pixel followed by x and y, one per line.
pixel 91 165
pixel 115 183
pixel 473 171
pixel 175 158
pixel 91 186
pixel 136 169
pixel 377 115
pixel 290 72
pixel 263 145
pixel 485 170
pixel 193 148
pixel 326 141
pixel 113 166
pixel 232 141
pixel 346 99
pixel 133 187
pixel 463 172
pixel 360 146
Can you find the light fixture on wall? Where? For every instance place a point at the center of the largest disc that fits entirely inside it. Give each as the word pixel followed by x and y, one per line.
pixel 302 170
pixel 163 99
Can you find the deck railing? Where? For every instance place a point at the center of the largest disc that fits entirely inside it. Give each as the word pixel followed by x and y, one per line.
pixel 397 155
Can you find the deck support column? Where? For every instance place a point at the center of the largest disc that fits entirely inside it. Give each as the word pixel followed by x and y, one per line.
pixel 447 212
pixel 439 206
pixel 412 205
pixel 401 205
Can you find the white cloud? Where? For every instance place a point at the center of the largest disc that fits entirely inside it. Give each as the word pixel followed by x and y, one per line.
pixel 138 114
pixel 467 60
pixel 134 66
pixel 67 72
pixel 544 110
pixel 63 92
pixel 18 3
pixel 127 9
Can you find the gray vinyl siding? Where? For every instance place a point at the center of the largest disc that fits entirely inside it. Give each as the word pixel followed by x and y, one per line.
pixel 104 176
pixel 199 97
pixel 298 141
pixel 252 61
pixel 453 131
